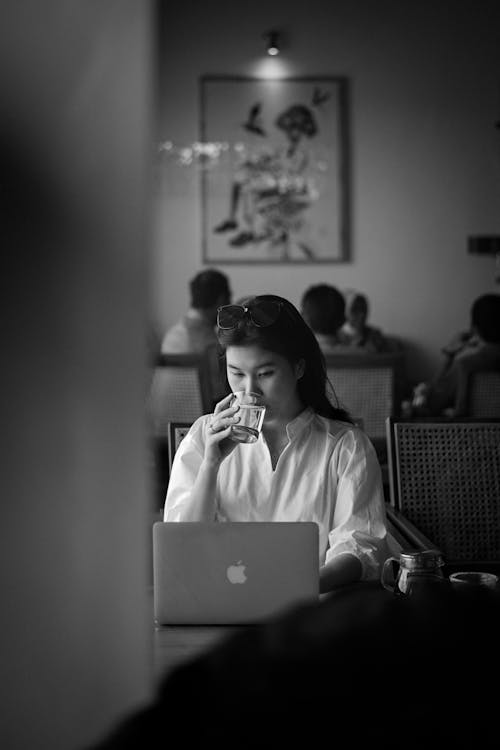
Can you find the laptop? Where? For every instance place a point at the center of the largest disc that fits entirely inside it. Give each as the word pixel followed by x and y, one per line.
pixel 235 573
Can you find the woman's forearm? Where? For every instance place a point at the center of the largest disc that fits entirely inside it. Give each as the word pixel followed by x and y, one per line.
pixel 345 568
pixel 201 505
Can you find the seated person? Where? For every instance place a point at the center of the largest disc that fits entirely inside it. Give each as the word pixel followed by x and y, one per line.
pixel 357 334
pixel 323 309
pixel 309 463
pixel 476 349
pixel 195 331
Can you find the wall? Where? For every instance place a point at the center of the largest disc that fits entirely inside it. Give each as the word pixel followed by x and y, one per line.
pixel 75 631
pixel 425 167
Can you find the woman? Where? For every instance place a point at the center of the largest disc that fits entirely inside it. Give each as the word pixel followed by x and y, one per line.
pixel 309 464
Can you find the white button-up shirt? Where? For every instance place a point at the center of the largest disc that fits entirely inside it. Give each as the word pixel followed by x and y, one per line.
pixel 327 473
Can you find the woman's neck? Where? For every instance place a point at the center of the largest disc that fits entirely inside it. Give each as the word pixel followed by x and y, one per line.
pixel 279 422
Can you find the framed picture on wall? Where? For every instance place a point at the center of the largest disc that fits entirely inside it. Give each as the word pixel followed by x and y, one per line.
pixel 275 185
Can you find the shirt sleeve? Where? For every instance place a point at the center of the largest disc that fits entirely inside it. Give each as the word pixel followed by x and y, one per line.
pixel 359 519
pixel 185 467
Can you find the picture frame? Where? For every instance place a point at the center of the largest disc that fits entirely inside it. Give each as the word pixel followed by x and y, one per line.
pixel 275 187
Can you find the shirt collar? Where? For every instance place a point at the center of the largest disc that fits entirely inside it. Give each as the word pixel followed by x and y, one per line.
pixel 296 426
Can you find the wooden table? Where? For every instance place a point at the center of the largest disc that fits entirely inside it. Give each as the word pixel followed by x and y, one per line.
pixel 176 644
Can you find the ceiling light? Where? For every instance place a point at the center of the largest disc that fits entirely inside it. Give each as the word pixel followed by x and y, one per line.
pixel 272 43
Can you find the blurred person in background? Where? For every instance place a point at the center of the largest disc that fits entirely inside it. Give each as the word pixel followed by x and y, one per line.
pixel 477 348
pixel 357 333
pixel 323 309
pixel 195 332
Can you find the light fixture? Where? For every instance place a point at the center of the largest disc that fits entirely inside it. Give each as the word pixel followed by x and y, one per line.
pixel 272 43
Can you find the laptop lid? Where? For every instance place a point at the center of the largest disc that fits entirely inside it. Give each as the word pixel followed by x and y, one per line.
pixel 232 573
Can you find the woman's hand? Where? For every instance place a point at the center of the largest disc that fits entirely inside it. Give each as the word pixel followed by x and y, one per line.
pixel 218 443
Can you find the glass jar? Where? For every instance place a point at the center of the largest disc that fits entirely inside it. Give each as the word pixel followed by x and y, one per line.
pixel 415 568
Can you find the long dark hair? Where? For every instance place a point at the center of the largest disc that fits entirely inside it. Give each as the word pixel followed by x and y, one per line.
pixel 291 337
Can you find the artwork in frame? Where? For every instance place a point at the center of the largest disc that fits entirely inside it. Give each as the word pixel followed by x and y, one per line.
pixel 278 191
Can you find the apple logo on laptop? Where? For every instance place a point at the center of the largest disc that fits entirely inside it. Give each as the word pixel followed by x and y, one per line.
pixel 236 573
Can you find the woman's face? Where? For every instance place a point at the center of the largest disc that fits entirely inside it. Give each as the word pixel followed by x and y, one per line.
pixel 251 368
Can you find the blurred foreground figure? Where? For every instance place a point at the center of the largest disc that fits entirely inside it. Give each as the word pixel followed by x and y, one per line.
pixel 363 667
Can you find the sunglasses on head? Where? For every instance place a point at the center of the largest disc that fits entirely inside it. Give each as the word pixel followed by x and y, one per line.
pixel 262 313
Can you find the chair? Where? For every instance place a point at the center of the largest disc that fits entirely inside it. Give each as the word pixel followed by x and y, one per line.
pixel 408 536
pixel 176 432
pixel 367 386
pixel 445 481
pixel 180 391
pixel 482 393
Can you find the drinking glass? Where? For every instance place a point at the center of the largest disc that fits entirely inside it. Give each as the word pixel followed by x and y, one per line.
pixel 251 415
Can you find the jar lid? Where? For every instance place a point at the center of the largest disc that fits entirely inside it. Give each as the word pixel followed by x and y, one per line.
pixel 427 558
